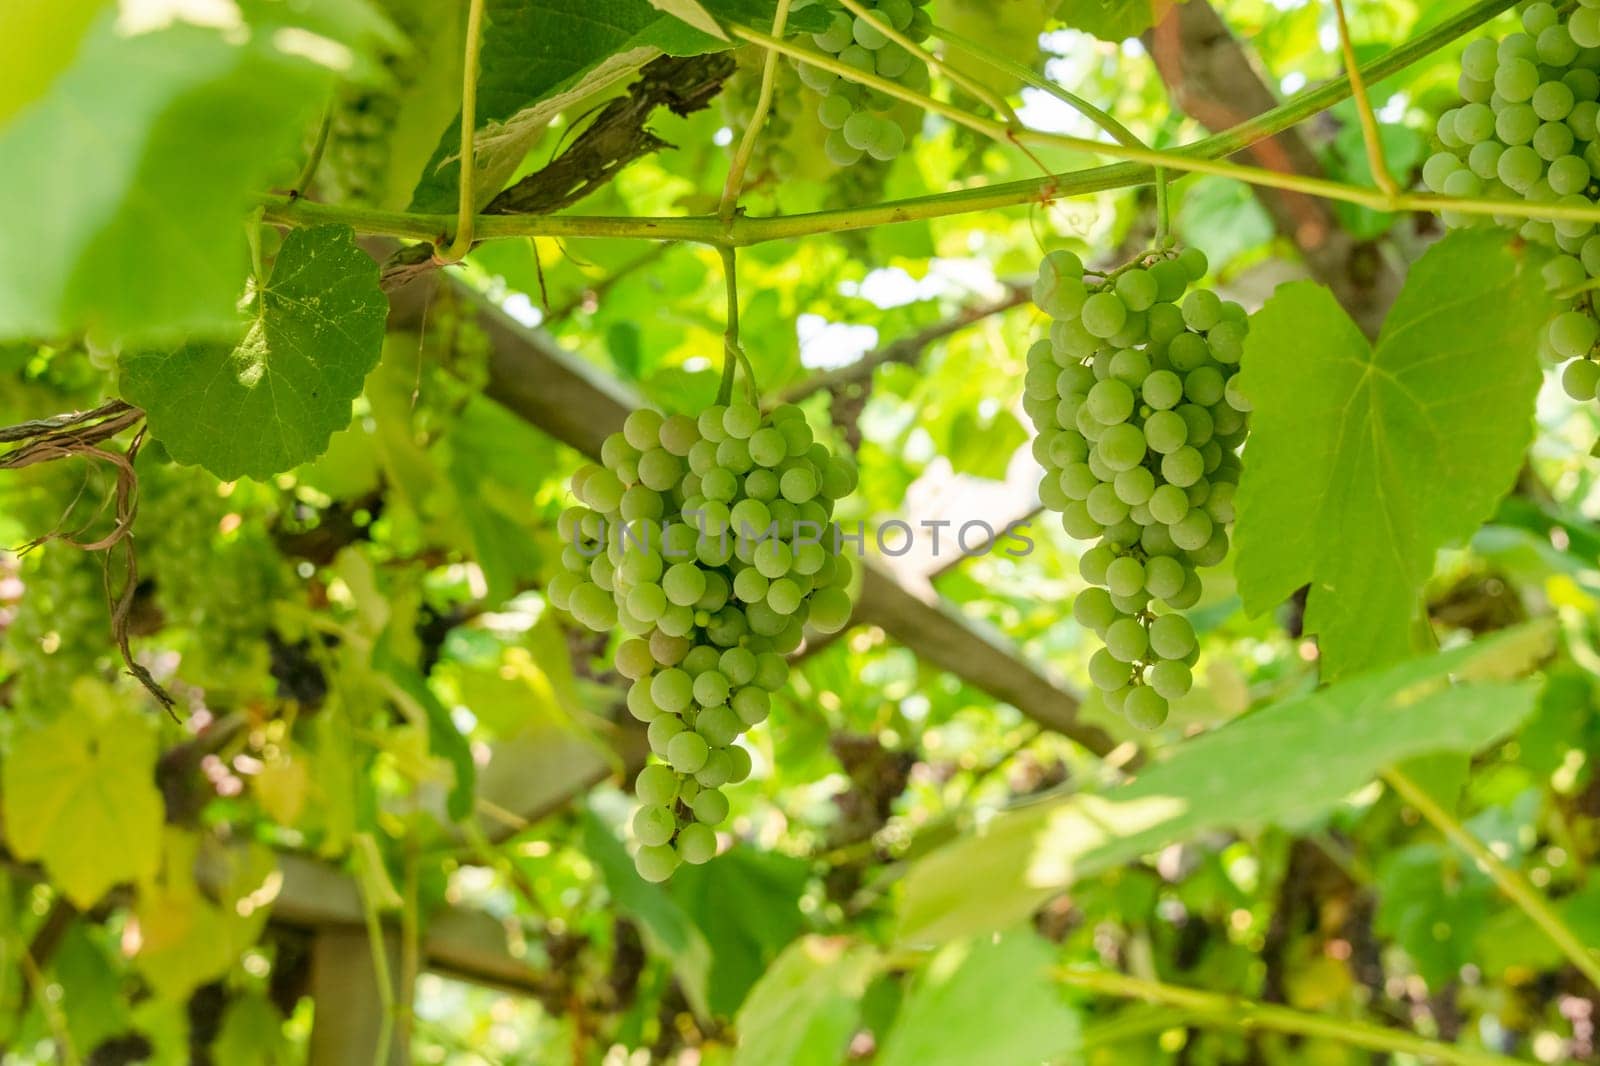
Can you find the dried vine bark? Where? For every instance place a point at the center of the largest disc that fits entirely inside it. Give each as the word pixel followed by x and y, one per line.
pixel 616 137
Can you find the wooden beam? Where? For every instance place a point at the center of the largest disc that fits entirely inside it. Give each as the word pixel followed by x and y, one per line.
pixel 548 387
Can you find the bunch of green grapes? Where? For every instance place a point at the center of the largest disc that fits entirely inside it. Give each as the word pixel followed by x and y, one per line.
pixel 774 158
pixel 1529 127
pixel 1139 420
pixel 215 587
pixel 710 542
pixel 61 628
pixel 863 121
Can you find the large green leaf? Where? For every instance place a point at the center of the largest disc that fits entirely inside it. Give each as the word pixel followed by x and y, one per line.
pixel 957 1013
pixel 666 929
pixel 1364 461
pixel 1284 763
pixel 131 172
pixel 79 795
pixel 274 401
pixel 541 56
pixel 747 903
pixel 804 1009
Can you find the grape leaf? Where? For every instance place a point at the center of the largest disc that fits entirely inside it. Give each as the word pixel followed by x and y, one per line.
pixel 143 153
pixel 805 1007
pixel 664 926
pixel 274 401
pixel 694 14
pixel 953 1016
pixel 79 795
pixel 541 56
pixel 1364 461
pixel 1322 746
pixel 1113 20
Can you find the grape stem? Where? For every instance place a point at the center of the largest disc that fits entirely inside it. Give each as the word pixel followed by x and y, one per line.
pixel 744 231
pixel 1238 1013
pixel 1509 881
pixel 758 118
pixel 1369 121
pixel 733 353
pixel 309 171
pixel 974 88
pixel 467 207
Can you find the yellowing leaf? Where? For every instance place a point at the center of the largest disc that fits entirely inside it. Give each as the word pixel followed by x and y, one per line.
pixel 281 787
pixel 79 795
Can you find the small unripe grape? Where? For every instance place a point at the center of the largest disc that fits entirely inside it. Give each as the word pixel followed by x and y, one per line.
pixel 1126 640
pixel 1171 636
pixel 1581 379
pixel 656 864
pixel 656 785
pixel 654 825
pixel 687 752
pixel 1171 678
pixel 1125 576
pixel 1144 708
pixel 1106 672
pixel 697 843
pixel 1103 314
pixel 710 807
pixel 1572 334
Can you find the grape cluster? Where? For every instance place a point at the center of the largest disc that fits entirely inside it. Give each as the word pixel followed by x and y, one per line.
pixel 1529 127
pixel 863 121
pixel 215 589
pixel 709 541
pixel 1139 419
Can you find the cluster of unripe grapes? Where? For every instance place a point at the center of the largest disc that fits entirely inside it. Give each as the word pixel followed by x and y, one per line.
pixel 863 121
pixel 1529 127
pixel 709 541
pixel 1139 420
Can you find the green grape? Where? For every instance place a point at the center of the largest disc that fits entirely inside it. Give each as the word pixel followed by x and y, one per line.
pixel 1573 334
pixel 1125 576
pixel 1103 314
pixel 656 864
pixel 1581 379
pixel 1106 672
pixel 1110 402
pixel 1126 640
pixel 654 825
pixel 687 752
pixel 656 785
pixel 697 843
pixel 1144 708
pixel 1094 610
pixel 710 807
pixel 1171 636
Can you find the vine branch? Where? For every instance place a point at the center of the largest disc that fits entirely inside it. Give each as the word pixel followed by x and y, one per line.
pixel 466 211
pixel 758 118
pixel 1238 1013
pixel 1369 121
pixel 1516 888
pixel 746 231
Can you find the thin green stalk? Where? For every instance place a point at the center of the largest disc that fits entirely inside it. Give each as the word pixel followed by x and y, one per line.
pixel 1513 884
pixel 730 341
pixel 1236 1013
pixel 309 171
pixel 1369 121
pixel 467 206
pixel 380 963
pixel 747 144
pixel 978 91
pixel 747 231
pixel 1103 119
